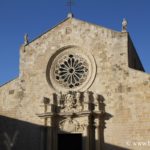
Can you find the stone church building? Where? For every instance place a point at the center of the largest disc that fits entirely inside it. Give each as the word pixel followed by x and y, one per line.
pixel 80 87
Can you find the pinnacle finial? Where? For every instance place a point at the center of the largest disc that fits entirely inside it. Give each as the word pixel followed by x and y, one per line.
pixel 124 25
pixel 70 4
pixel 26 39
pixel 70 15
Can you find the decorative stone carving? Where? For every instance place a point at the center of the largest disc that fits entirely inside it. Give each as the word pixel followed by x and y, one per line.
pixel 124 25
pixel 59 96
pixel 71 69
pixel 86 101
pixel 46 100
pixel 79 104
pixel 71 117
pixel 86 96
pixel 26 39
pixel 70 102
pixel 96 100
pixel 71 125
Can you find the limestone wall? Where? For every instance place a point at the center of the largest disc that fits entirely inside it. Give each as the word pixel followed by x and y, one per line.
pixel 126 91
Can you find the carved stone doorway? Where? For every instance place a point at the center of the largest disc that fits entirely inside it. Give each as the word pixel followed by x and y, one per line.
pixel 72 113
pixel 69 142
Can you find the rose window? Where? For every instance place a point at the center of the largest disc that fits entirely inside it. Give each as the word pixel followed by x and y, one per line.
pixel 71 71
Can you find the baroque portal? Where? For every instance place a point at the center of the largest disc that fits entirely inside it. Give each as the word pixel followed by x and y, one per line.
pixel 77 113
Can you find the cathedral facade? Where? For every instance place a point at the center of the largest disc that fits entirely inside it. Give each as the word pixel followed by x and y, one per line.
pixel 81 84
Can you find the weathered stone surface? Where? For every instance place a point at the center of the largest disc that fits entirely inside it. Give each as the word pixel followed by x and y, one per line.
pixel 126 91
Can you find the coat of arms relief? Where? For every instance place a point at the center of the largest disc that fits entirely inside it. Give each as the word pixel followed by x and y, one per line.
pixel 70 102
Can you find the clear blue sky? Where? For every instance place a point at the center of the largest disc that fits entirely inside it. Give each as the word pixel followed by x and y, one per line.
pixel 18 17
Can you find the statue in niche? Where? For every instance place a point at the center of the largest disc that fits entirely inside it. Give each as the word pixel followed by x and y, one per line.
pixel 69 103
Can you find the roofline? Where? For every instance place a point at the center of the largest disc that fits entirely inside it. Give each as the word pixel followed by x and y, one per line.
pixel 64 21
pixel 47 31
pixel 136 53
pixel 7 82
pixel 99 26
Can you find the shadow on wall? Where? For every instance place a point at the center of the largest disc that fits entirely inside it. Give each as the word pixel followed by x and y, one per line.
pixel 113 147
pixel 20 135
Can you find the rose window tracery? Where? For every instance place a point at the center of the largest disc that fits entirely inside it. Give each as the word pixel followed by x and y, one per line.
pixel 71 70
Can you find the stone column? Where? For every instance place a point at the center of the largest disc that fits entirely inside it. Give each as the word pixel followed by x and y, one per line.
pixel 53 132
pixel 97 136
pixel 96 102
pixel 87 142
pixel 86 101
pixel 88 134
pixel 91 133
pixel 53 125
pixel 99 133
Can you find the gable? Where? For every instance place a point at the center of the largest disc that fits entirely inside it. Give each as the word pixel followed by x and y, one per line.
pixel 103 44
pixel 89 63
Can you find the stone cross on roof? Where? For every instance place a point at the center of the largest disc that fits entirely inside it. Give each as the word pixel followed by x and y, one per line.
pixel 69 4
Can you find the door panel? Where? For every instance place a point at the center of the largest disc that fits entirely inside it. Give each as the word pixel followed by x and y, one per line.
pixel 69 142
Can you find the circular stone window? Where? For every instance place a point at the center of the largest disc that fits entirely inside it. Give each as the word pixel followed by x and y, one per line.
pixel 71 69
